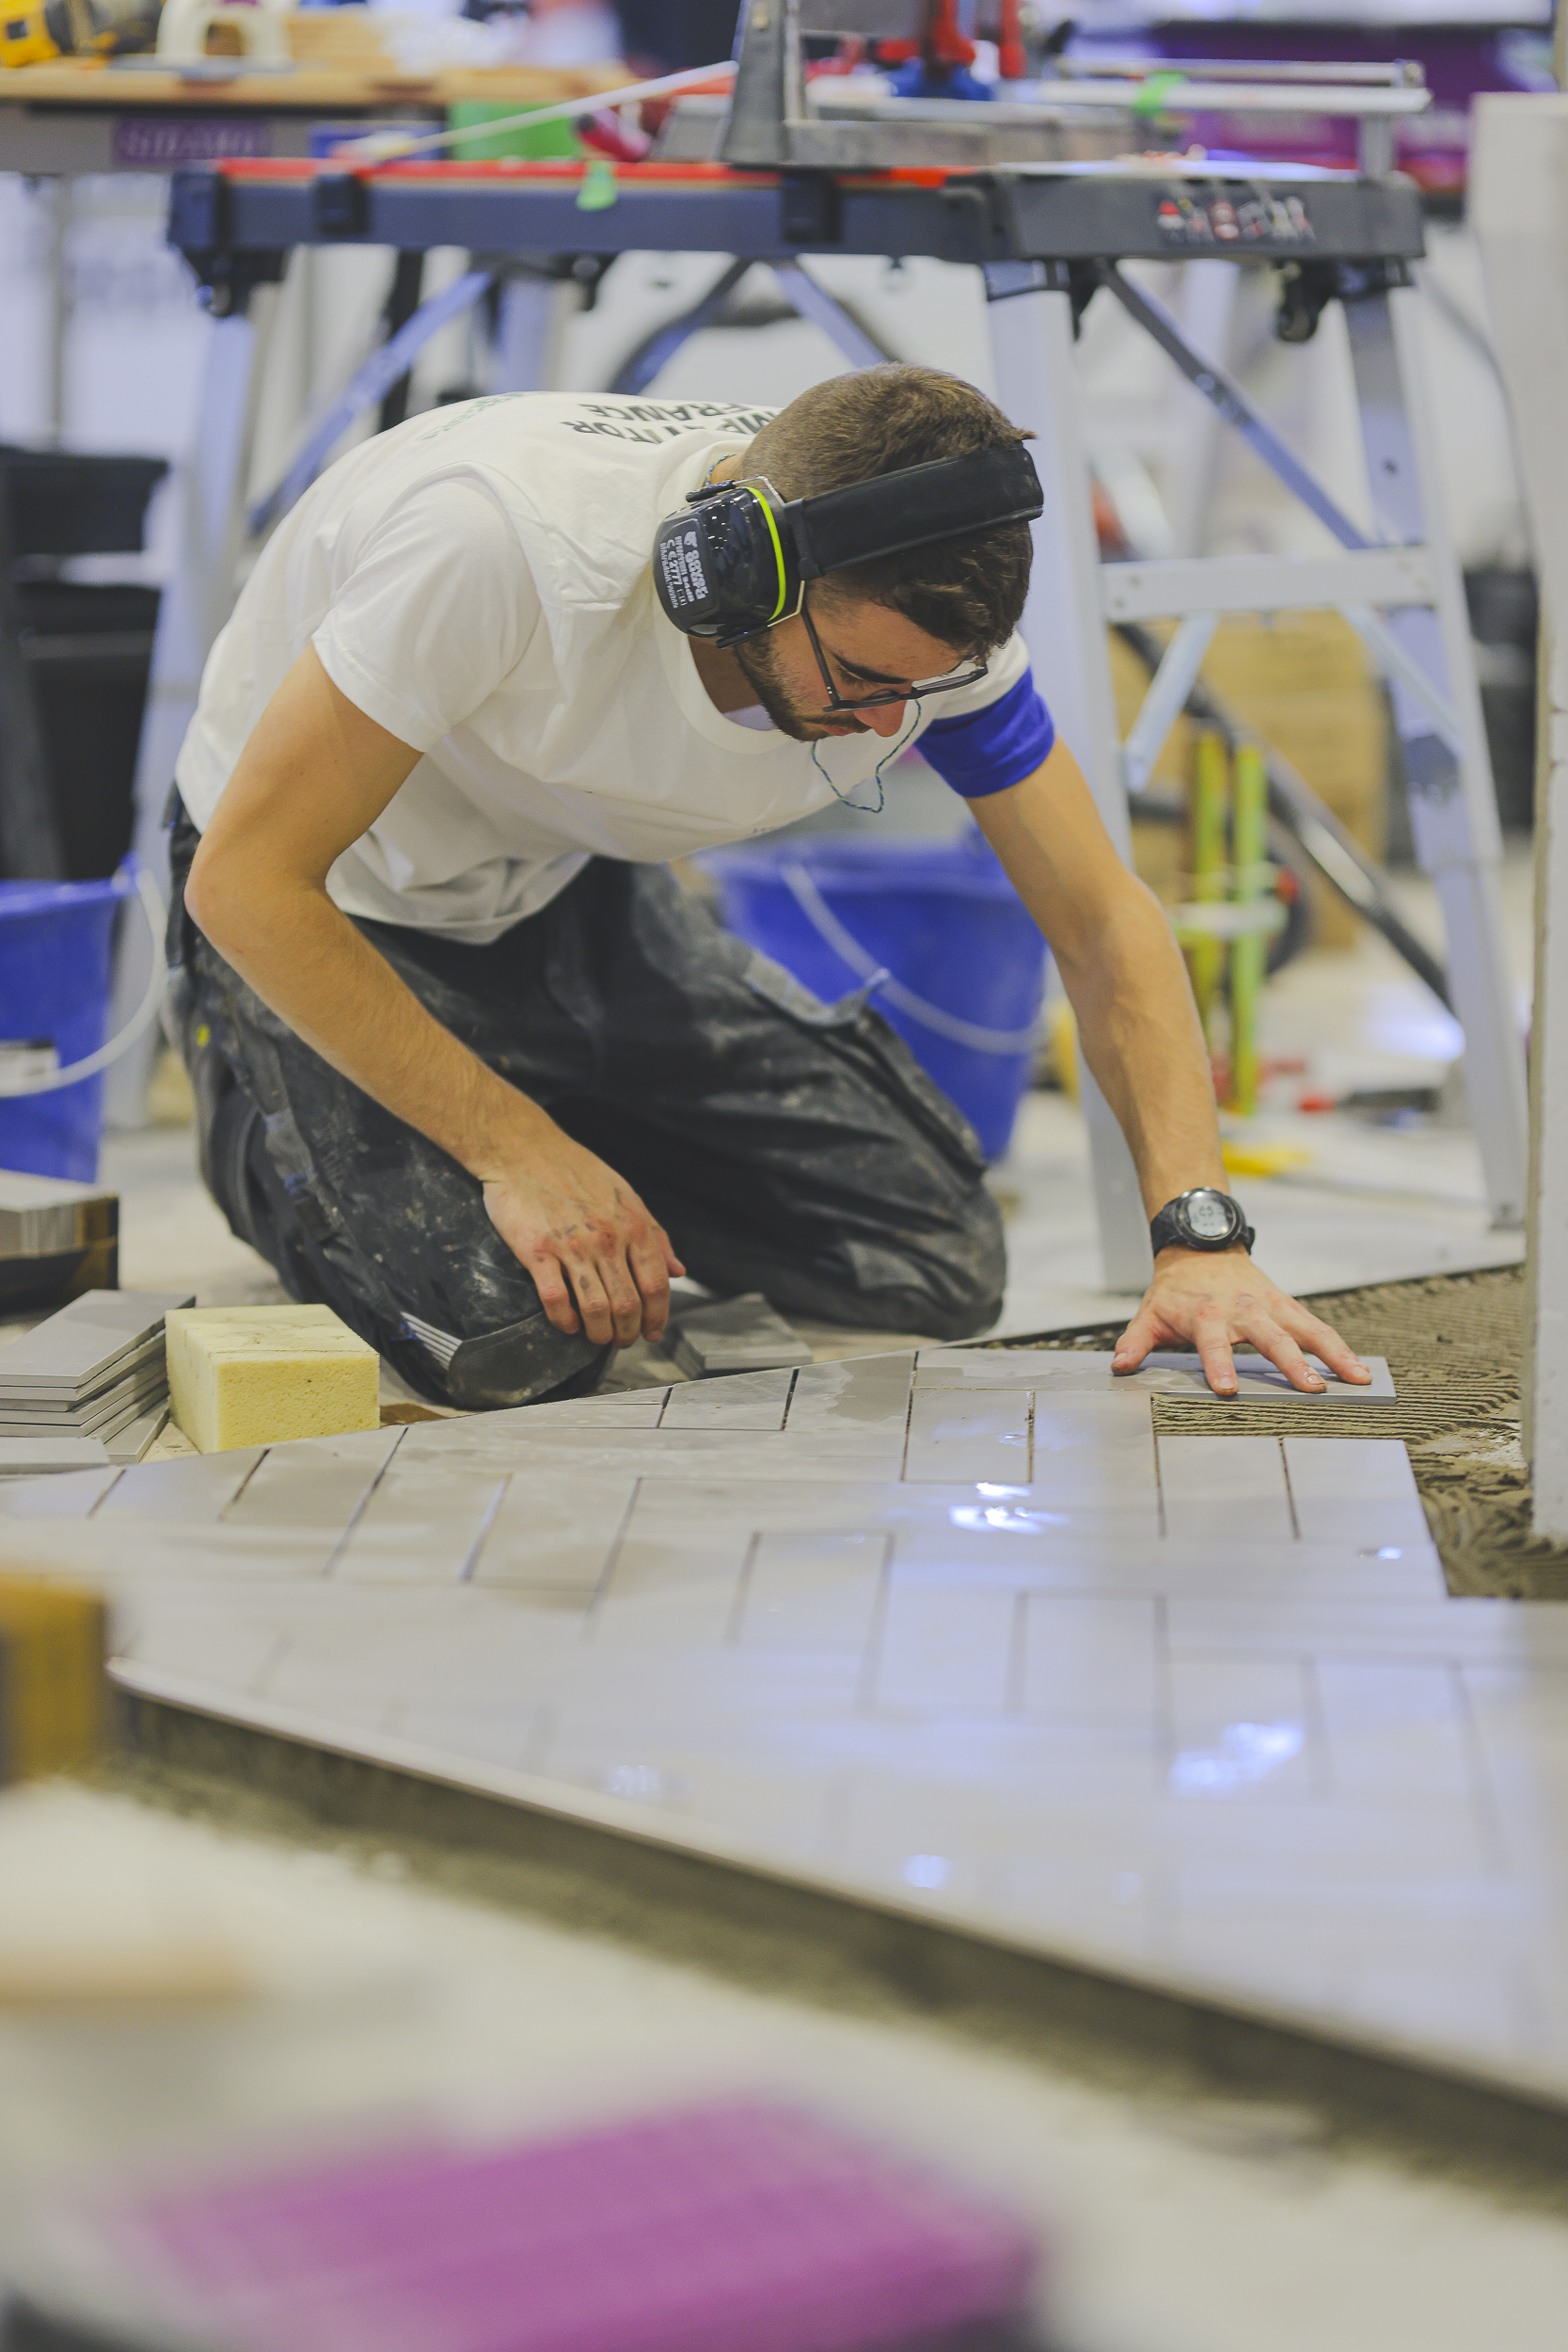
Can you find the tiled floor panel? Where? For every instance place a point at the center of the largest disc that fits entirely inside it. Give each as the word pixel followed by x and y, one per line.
pixel 952 1633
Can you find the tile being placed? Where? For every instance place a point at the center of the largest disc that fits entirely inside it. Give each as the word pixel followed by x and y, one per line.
pixel 1087 1372
pixel 1258 1381
pixel 1225 1490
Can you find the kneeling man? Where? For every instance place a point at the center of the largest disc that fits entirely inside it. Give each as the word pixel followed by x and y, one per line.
pixel 470 1066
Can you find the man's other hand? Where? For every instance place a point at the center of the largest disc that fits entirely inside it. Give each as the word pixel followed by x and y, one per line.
pixel 600 1262
pixel 1216 1300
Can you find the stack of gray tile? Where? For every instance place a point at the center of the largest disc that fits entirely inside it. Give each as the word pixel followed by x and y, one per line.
pixel 89 1386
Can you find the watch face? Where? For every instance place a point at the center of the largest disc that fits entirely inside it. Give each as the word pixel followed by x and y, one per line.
pixel 1208 1214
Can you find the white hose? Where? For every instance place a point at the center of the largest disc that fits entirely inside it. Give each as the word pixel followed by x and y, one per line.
pixel 145 1014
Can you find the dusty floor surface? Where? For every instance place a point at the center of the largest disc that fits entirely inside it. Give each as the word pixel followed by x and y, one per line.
pixel 1453 1345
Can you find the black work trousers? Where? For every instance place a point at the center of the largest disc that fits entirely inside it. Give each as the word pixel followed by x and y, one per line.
pixel 786 1147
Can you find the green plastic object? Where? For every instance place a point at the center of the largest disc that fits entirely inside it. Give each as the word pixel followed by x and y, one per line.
pixel 1153 92
pixel 1249 951
pixel 536 142
pixel 598 190
pixel 1210 796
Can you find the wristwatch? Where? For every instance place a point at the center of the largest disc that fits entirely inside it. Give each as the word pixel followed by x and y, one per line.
pixel 1203 1218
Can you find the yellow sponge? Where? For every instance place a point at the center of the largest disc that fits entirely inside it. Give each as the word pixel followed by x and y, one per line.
pixel 259 1376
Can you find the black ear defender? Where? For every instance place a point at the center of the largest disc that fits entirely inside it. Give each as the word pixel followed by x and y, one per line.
pixel 736 559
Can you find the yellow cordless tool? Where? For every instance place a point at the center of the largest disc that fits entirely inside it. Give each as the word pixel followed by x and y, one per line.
pixel 33 31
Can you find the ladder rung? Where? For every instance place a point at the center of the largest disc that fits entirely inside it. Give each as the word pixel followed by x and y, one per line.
pixel 1381 576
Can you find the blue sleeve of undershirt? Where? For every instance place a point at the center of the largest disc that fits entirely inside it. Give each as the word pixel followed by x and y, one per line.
pixel 988 750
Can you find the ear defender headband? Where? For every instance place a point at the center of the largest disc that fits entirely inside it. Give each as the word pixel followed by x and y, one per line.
pixel 737 559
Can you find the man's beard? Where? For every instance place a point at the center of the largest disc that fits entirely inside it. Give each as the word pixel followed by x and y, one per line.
pixel 759 665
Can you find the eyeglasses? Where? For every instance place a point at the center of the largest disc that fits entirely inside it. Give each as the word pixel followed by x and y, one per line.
pixel 880 696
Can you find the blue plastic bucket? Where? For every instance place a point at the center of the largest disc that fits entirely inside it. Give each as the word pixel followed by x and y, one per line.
pixel 965 962
pixel 55 944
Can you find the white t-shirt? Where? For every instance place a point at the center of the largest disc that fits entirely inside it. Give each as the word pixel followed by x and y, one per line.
pixel 479 582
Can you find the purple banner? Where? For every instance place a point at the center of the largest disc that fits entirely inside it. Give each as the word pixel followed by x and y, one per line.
pixel 165 142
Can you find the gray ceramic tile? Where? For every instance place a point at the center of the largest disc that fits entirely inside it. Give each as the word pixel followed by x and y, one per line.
pixel 1088 1370
pixel 1087 1659
pixel 315 1482
pixel 457 1729
pixel 1354 1491
pixel 1225 1490
pixel 751 1401
pixel 628 1409
pixel 554 1532
pixel 1068 1370
pixel 1496 1632
pixel 130 1441
pixel 424 1525
pixel 1245 1730
pixel 673 1585
pixel 69 1495
pixel 776 1815
pixel 984 1437
pixel 858 1392
pixel 193 1489
pixel 223 1654
pixel 1324 1849
pixel 944 1649
pixel 1397 1733
pixel 77 1348
pixel 44 1456
pixel 809 1592
pixel 1182 1373
pixel 732 1336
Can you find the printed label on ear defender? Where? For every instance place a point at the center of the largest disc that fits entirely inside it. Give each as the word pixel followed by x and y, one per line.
pixel 681 559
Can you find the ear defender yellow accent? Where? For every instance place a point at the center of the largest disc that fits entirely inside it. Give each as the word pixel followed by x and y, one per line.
pixel 778 550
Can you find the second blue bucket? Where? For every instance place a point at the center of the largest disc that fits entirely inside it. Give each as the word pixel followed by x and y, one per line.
pixel 55 940
pixel 966 962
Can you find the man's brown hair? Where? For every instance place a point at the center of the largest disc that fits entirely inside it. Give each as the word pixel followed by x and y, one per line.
pixel 968 593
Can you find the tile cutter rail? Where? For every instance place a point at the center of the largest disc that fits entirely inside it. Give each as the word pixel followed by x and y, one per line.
pixel 1046 238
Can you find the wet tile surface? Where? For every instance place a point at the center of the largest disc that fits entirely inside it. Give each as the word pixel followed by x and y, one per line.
pixel 951 1634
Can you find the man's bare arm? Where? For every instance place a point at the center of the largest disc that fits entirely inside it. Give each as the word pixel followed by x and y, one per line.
pixel 1141 1037
pixel 314 776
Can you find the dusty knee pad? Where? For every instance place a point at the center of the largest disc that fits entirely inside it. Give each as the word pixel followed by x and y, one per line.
pixel 522 1363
